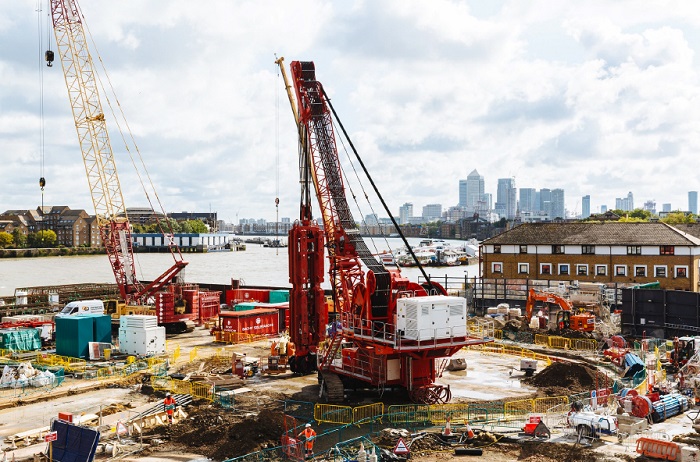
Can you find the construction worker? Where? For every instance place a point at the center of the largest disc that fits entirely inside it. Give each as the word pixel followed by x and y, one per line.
pixel 310 435
pixel 169 405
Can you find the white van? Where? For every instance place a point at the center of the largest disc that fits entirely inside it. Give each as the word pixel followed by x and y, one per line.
pixel 82 307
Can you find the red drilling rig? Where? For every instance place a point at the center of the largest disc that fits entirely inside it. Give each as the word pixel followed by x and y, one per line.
pixel 389 331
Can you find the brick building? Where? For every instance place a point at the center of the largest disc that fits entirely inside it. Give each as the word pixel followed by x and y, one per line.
pixel 608 252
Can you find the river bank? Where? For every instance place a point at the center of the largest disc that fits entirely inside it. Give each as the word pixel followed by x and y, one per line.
pixel 50 252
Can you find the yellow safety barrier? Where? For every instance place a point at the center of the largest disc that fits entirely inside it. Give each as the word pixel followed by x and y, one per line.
pixel 368 413
pixel 439 413
pixel 519 407
pixel 642 388
pixel 497 348
pixel 193 353
pixel 69 364
pixel 584 344
pixel 559 342
pixel 541 339
pixel 236 337
pixel 542 405
pixel 176 354
pixel 498 334
pixel 409 413
pixel 202 391
pixel 332 413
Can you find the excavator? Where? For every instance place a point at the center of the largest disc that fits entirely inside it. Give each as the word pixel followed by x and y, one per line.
pixel 565 317
pixel 389 332
pixel 175 308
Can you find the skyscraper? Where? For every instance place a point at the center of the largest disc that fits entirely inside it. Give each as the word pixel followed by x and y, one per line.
pixel 558 204
pixel 546 201
pixel 405 212
pixel 462 193
pixel 432 212
pixel 693 202
pixel 625 203
pixel 506 201
pixel 586 206
pixel 474 190
pixel 527 200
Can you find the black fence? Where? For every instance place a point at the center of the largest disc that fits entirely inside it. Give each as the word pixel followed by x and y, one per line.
pixel 660 313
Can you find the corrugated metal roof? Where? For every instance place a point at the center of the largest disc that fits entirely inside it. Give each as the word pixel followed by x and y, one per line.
pixel 587 233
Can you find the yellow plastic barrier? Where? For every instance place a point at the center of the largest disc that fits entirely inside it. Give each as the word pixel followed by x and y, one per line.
pixel 541 339
pixel 332 413
pixel 559 342
pixel 519 407
pixel 202 390
pixel 584 344
pixel 439 413
pixel 498 334
pixel 368 413
pixel 68 363
pixel 409 413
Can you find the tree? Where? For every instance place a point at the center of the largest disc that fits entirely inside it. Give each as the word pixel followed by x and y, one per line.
pixel 642 214
pixel 197 226
pixel 677 218
pixel 19 238
pixel 5 239
pixel 43 238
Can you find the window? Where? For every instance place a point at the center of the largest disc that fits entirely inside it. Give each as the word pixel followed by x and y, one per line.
pixel 523 249
pixel 620 270
pixel 496 249
pixel 660 271
pixel 582 270
pixel 588 249
pixel 667 250
pixel 634 250
pixel 564 269
pixel 557 249
pixel 601 270
pixel 640 271
pixel 545 268
pixel 497 267
pixel 523 268
pixel 681 271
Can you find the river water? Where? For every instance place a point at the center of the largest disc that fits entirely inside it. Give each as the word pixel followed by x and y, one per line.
pixel 257 266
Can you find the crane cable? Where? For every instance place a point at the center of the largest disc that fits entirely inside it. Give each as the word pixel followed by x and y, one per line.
pixel 133 142
pixel 277 160
pixel 42 179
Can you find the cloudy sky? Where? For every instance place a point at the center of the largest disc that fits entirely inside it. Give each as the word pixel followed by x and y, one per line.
pixel 596 97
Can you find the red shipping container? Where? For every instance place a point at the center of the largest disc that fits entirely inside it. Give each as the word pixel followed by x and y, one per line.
pixel 255 322
pixel 191 298
pixel 247 295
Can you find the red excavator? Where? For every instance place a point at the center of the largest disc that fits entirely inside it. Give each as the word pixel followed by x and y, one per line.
pixel 565 317
pixel 389 331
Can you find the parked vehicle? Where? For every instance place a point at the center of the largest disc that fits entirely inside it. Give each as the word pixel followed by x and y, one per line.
pixel 82 307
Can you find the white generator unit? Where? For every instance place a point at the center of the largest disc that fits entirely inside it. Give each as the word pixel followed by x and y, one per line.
pixel 140 335
pixel 431 317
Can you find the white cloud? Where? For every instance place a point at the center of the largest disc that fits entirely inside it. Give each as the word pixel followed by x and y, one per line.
pixel 596 97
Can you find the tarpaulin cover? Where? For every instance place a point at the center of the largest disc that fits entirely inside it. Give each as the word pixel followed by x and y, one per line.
pixel 20 339
pixel 74 443
pixel 633 364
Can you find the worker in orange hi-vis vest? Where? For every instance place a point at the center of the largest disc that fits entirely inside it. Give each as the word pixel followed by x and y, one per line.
pixel 310 436
pixel 169 405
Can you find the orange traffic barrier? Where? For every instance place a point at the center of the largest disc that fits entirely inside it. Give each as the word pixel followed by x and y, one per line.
pixel 658 449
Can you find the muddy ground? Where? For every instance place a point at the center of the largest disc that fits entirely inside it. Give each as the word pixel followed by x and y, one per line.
pixel 258 422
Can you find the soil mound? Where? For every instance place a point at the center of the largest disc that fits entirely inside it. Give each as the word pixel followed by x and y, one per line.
pixel 565 378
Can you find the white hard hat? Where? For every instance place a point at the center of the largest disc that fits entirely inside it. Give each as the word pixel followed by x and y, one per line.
pixel 307 425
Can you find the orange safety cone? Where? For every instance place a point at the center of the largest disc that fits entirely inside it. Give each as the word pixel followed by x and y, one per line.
pixel 447 431
pixel 470 432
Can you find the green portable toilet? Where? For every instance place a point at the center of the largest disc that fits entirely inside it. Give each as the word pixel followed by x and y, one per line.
pixel 73 334
pixel 279 296
pixel 102 328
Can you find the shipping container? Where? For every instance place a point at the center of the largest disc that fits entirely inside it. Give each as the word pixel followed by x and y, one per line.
pixel 209 305
pixel 279 296
pixel 235 296
pixel 257 321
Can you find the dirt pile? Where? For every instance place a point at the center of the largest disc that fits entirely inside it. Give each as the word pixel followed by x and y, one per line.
pixel 219 434
pixel 564 378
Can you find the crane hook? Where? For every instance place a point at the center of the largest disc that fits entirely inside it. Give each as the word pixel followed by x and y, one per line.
pixel 42 182
pixel 49 57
